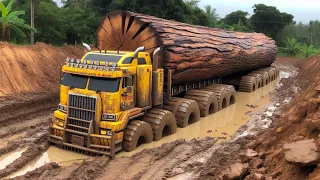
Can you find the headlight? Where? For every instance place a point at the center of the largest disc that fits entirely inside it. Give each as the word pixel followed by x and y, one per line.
pixel 105 132
pixel 108 117
pixel 59 122
pixel 62 108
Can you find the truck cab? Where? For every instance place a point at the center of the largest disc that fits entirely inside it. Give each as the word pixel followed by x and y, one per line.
pixel 99 94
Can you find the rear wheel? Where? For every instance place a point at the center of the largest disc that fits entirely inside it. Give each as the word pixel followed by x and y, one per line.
pixel 208 102
pixel 186 111
pixel 162 122
pixel 223 94
pixel 136 133
pixel 247 84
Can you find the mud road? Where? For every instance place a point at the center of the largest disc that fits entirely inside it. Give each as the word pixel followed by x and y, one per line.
pixel 194 152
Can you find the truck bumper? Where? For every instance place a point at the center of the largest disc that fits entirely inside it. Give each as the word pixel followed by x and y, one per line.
pixel 92 144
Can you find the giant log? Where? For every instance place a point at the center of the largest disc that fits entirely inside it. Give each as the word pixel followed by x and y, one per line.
pixel 192 52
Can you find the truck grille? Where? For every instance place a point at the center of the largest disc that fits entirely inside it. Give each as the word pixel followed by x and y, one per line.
pixel 81 110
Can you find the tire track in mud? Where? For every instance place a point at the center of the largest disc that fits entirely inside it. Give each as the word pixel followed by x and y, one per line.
pixel 35 149
pixel 25 114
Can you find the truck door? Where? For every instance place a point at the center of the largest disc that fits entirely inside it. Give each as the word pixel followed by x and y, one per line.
pixel 127 96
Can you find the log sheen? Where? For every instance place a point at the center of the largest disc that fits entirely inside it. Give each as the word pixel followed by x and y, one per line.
pixel 193 52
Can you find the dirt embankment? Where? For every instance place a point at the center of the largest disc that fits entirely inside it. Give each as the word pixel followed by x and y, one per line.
pixel 32 69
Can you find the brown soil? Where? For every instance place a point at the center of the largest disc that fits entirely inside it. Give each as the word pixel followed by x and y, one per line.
pixel 26 69
pixel 23 124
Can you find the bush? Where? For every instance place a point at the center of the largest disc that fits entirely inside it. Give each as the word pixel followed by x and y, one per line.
pixel 291 48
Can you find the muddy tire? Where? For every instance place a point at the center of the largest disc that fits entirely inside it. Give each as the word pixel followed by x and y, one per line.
pixel 258 77
pixel 221 90
pixel 136 133
pixel 186 111
pixel 231 98
pixel 264 76
pixel 247 84
pixel 208 102
pixel 162 122
pixel 271 72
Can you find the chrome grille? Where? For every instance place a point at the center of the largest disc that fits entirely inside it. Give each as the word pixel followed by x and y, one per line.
pixel 81 110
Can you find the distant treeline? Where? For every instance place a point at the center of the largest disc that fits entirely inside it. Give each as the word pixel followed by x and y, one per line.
pixel 77 20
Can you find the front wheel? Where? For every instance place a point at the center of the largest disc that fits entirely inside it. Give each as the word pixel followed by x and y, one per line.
pixel 136 133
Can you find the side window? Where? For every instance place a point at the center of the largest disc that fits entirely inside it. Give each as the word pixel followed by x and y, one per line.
pixel 141 61
pixel 127 60
pixel 127 81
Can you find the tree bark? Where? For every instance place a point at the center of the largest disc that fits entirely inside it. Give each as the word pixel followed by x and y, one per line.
pixel 193 52
pixel 3 36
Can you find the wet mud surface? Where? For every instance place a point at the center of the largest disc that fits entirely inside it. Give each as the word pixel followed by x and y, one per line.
pixel 191 157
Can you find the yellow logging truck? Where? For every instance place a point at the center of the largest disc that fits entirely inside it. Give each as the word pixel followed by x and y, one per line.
pixel 116 100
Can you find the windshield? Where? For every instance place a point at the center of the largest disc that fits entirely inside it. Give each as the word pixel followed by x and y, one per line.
pixel 100 57
pixel 104 84
pixel 74 80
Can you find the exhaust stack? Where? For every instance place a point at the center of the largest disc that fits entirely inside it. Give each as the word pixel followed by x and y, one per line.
pixel 86 46
pixel 136 52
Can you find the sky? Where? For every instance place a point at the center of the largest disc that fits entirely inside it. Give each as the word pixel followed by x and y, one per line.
pixel 302 10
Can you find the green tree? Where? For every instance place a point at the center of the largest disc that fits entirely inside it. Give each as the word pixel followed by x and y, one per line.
pixel 314 32
pixel 177 10
pixel 269 20
pixel 236 17
pixel 192 3
pixel 11 20
pixel 292 47
pixel 79 23
pixel 49 23
pixel 212 15
pixel 308 51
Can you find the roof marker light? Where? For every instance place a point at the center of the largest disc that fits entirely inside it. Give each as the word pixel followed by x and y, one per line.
pixel 78 61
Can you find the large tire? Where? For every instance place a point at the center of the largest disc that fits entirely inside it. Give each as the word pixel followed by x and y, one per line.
pixel 186 111
pixel 222 93
pixel 247 84
pixel 136 133
pixel 258 79
pixel 271 71
pixel 208 102
pixel 264 76
pixel 162 122
pixel 231 98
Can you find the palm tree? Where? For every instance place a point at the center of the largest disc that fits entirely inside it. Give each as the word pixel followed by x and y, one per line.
pixel 292 46
pixel 11 20
pixel 213 16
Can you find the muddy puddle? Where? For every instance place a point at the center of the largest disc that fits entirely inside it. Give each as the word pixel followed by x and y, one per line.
pixel 221 124
pixel 53 154
pixel 10 157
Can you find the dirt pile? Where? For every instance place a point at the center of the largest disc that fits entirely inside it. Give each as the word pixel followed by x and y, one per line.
pixel 29 69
